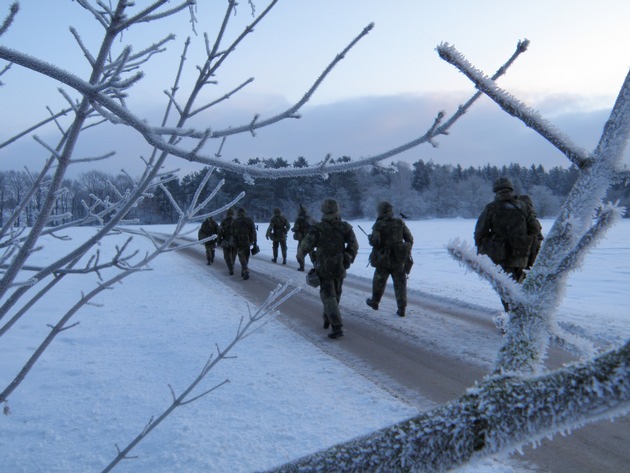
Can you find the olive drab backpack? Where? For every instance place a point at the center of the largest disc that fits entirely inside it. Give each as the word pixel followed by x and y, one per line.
pixel 391 250
pixel 510 240
pixel 241 230
pixel 331 244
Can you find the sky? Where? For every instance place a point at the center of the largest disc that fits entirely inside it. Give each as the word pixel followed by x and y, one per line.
pixel 99 383
pixel 386 91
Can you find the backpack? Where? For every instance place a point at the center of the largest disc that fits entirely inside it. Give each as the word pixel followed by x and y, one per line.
pixel 510 240
pixel 392 251
pixel 241 230
pixel 226 234
pixel 303 225
pixel 331 243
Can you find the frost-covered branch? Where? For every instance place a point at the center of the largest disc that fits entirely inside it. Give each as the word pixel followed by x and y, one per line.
pixel 511 105
pixel 501 415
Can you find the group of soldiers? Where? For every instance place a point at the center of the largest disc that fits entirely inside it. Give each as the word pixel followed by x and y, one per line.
pixel 236 236
pixel 507 230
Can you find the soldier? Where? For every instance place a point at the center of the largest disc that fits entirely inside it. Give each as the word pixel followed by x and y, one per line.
pixel 391 243
pixel 302 225
pixel 226 240
pixel 537 243
pixel 277 232
pixel 209 228
pixel 505 231
pixel 244 237
pixel 335 246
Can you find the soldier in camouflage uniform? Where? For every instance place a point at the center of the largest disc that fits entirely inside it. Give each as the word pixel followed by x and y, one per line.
pixel 277 232
pixel 209 228
pixel 391 243
pixel 244 237
pixel 506 230
pixel 335 246
pixel 302 225
pixel 225 240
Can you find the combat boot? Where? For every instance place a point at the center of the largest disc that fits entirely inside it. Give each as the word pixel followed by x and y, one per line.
pixel 400 312
pixel 284 261
pixel 372 303
pixel 301 268
pixel 336 332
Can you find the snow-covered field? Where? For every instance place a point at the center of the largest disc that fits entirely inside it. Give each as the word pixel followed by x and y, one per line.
pixel 101 382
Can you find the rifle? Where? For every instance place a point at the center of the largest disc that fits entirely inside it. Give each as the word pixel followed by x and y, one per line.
pixel 364 232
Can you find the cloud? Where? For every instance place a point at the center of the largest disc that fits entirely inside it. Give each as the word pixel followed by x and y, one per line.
pixel 359 127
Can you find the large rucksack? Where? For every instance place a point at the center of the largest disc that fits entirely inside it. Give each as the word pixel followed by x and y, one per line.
pixel 242 230
pixel 331 243
pixel 510 240
pixel 391 251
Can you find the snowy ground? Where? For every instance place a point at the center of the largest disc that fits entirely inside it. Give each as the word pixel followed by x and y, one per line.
pixel 100 382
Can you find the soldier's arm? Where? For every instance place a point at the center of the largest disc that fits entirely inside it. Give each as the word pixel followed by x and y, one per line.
pixel 352 245
pixel 307 244
pixel 481 228
pixel 407 235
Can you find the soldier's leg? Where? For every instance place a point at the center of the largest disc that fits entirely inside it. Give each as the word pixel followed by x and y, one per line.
pixel 300 261
pixel 243 258
pixel 400 289
pixel 208 253
pixel 275 251
pixel 379 281
pixel 328 295
pixel 227 256
pixel 283 247
pixel 213 245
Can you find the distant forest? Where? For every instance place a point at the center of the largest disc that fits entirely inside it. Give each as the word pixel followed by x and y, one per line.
pixel 419 190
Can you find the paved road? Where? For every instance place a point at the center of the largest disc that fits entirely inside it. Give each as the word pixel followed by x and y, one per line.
pixel 412 369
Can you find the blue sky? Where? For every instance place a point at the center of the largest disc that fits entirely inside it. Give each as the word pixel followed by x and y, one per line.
pixel 386 91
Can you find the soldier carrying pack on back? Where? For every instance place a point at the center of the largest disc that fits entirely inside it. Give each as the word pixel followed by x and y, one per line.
pixel 209 228
pixel 336 247
pixel 391 243
pixel 277 231
pixel 301 227
pixel 505 231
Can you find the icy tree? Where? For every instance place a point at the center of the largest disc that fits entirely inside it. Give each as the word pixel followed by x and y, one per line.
pixel 520 403
pixel 100 99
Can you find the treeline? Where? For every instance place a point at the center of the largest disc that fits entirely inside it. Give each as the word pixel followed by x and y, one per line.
pixel 418 190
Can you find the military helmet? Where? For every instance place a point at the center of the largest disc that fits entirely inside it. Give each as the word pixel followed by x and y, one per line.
pixel 230 212
pixel 330 206
pixel 241 211
pixel 502 183
pixel 384 208
pixel 277 211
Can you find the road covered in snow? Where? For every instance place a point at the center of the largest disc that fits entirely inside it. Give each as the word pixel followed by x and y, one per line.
pixel 427 358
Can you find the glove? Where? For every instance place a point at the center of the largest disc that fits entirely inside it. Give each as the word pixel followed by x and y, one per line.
pixel 347 260
pixel 267 237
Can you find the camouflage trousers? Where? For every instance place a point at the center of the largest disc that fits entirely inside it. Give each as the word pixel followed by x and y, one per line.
pixel 283 247
pixel 210 251
pixel 518 275
pixel 301 259
pixel 330 294
pixel 243 253
pixel 229 255
pixel 399 277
